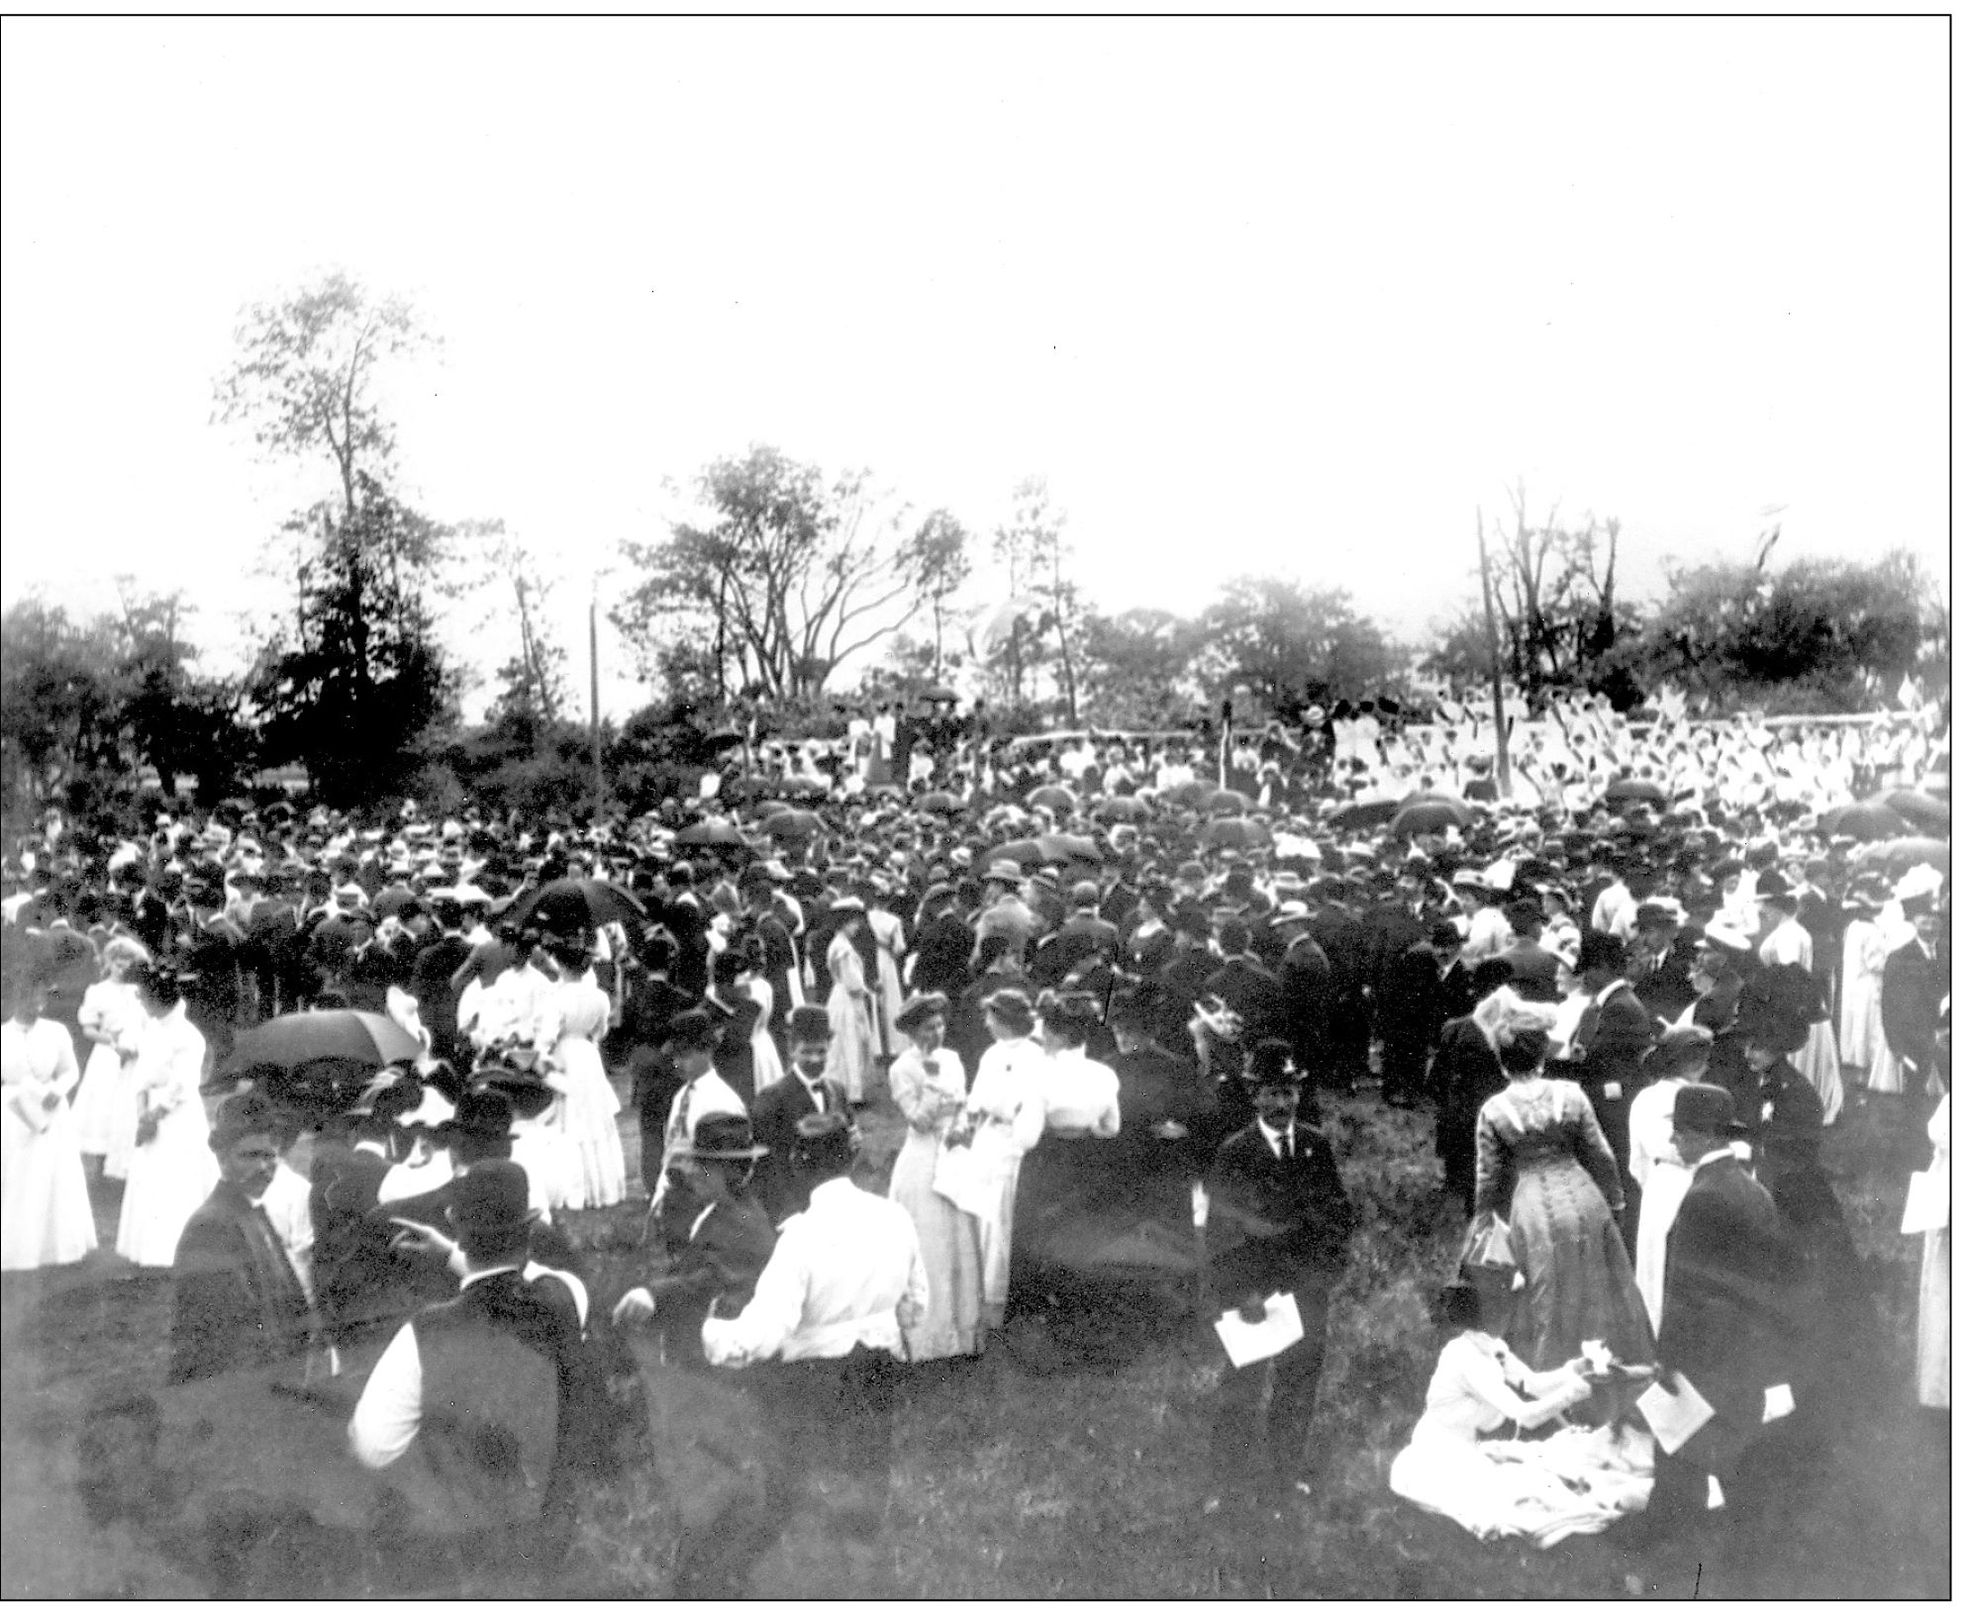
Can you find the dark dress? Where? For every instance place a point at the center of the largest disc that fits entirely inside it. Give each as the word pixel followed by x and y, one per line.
pixel 1543 1164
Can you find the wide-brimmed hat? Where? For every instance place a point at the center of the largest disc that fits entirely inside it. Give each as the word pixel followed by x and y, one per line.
pixel 1677 1047
pixel 724 1136
pixel 920 1009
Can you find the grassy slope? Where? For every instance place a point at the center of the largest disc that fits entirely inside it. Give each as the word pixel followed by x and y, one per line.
pixel 1088 1481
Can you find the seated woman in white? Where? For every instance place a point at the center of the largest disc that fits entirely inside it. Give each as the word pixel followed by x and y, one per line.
pixel 1575 1482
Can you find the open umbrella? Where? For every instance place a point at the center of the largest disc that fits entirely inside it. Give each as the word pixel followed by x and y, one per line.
pixel 1921 810
pixel 1635 790
pixel 1223 801
pixel 940 804
pixel 1126 808
pixel 792 824
pixel 1429 815
pixel 1229 832
pixel 1061 848
pixel 711 833
pixel 572 904
pixel 317 1061
pixel 1187 793
pixel 1052 797
pixel 1367 812
pixel 1870 822
pixel 1901 853
pixel 1022 852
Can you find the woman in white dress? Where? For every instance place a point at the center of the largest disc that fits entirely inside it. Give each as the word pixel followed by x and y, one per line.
pixel 1862 1030
pixel 1933 1384
pixel 1004 1115
pixel 890 946
pixel 106 1105
pixel 927 1082
pixel 172 1168
pixel 1575 1483
pixel 45 1220
pixel 850 1014
pixel 1790 945
pixel 1680 1058
pixel 572 1023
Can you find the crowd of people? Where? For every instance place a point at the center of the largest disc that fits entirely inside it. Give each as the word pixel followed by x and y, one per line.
pixel 1104 996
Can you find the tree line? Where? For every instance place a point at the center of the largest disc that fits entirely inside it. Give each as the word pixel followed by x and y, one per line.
pixel 788 589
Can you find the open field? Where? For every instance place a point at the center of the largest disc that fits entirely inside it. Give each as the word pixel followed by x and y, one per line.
pixel 1015 1478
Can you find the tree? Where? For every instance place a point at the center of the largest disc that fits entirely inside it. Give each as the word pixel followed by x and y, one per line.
pixel 940 553
pixel 355 690
pixel 1292 645
pixel 1140 669
pixel 304 380
pixel 533 683
pixel 1035 555
pixel 791 576
pixel 1559 615
pixel 1820 635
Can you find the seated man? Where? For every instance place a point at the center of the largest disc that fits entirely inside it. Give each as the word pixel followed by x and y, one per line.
pixel 239 1301
pixel 473 1406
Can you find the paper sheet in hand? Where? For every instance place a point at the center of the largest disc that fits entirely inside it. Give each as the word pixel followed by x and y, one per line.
pixel 1674 1410
pixel 1927 1202
pixel 1246 1343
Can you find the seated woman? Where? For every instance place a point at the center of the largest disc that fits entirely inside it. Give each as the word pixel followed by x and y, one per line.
pixel 1576 1482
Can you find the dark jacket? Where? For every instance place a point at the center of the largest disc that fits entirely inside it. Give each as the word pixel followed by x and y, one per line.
pixel 775 1124
pixel 238 1300
pixel 1911 988
pixel 1276 1223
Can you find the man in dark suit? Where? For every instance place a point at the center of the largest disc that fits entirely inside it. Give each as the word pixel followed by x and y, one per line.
pixel 1613 1036
pixel 1727 1326
pixel 1279 1221
pixel 1243 984
pixel 238 1300
pixel 653 1002
pixel 1533 967
pixel 1305 979
pixel 943 944
pixel 1414 1006
pixel 1337 931
pixel 805 1091
pixel 680 910
pixel 1911 989
pixel 1659 962
pixel 1082 937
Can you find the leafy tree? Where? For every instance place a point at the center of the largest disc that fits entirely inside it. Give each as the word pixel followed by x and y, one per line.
pixel 1035 556
pixel 533 683
pixel 793 575
pixel 1292 645
pixel 940 553
pixel 1820 634
pixel 1140 669
pixel 359 684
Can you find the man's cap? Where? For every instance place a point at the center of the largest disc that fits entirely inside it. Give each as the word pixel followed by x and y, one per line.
pixel 1084 894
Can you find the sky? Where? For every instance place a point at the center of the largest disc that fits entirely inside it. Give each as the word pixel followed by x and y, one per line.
pixel 1294 296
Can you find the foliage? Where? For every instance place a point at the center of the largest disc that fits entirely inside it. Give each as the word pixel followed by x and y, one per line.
pixel 304 380
pixel 1292 644
pixel 1141 669
pixel 940 553
pixel 1034 555
pixel 85 703
pixel 791 576
pixel 360 683
pixel 533 683
pixel 1822 634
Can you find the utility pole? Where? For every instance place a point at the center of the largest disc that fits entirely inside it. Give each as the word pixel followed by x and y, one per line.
pixel 1496 670
pixel 594 706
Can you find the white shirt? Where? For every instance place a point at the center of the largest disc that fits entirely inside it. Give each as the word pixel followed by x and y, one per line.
pixel 286 1206
pixel 848 1270
pixel 1614 911
pixel 392 1406
pixel 1081 1095
pixel 1276 1138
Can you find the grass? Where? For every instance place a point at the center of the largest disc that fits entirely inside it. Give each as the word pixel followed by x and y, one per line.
pixel 1084 1481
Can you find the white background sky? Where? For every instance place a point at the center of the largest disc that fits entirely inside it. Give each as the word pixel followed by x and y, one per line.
pixel 1291 296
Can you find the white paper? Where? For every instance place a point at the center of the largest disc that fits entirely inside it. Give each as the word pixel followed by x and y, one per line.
pixel 1714 1492
pixel 1246 1343
pixel 1926 1203
pixel 1778 1403
pixel 1674 1410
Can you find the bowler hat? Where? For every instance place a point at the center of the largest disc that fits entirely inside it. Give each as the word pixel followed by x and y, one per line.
pixel 1704 1108
pixel 808 1024
pixel 489 1198
pixel 242 1114
pixel 483 1113
pixel 693 1031
pixel 1271 1064
pixel 724 1136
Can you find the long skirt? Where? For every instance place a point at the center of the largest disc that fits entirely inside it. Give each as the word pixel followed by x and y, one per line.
pixel 105 1104
pixel 951 1324
pixel 1818 1061
pixel 597 1174
pixel 1936 1283
pixel 1578 1280
pixel 45 1220
pixel 169 1179
pixel 851 1051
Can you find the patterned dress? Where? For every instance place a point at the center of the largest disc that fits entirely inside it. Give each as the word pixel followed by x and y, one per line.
pixel 1543 1165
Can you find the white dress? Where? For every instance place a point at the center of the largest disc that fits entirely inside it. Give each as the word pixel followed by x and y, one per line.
pixel 1008 1100
pixel 106 1104
pixel 1081 1095
pixel 171 1175
pixel 1867 944
pixel 571 1029
pixel 850 1015
pixel 887 929
pixel 767 1067
pixel 45 1220
pixel 1577 1482
pixel 1936 1281
pixel 1790 945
